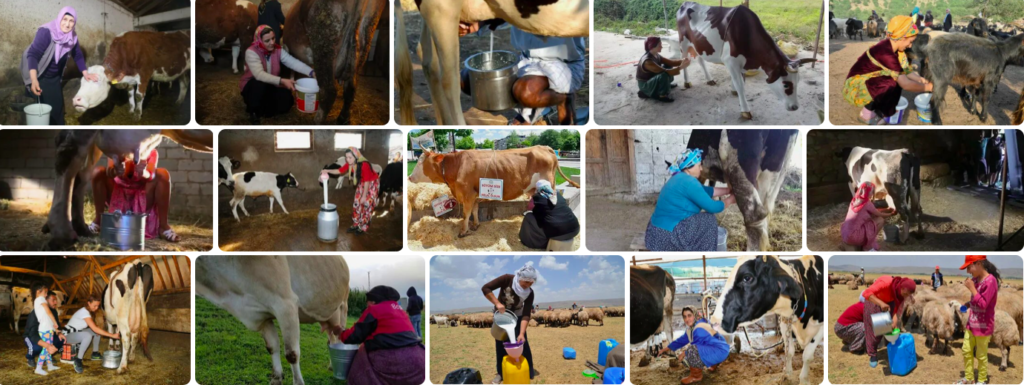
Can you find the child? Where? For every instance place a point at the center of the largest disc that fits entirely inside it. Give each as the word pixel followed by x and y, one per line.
pixel 863 222
pixel 47 328
pixel 981 316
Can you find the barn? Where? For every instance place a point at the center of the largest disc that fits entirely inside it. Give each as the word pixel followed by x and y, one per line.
pixel 303 154
pixel 961 200
pixel 27 178
pixel 626 171
pixel 98 23
pixel 168 312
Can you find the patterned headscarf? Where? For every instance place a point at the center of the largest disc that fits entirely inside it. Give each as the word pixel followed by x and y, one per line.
pixel 686 159
pixel 257 43
pixel 544 189
pixel 862 197
pixel 64 41
pixel 352 169
pixel 901 27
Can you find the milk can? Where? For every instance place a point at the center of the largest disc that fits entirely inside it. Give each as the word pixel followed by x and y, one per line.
pixel 327 223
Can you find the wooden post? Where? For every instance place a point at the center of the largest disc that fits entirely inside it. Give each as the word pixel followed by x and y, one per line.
pixel 1002 203
pixel 704 261
pixel 156 267
pixel 167 267
pixel 177 268
pixel 817 40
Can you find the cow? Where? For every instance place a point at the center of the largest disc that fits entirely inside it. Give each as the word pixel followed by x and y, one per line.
pixel 391 184
pixel 124 309
pixel 334 37
pixel 134 58
pixel 21 304
pixel 439 43
pixel 224 22
pixel 855 27
pixel 519 169
pixel 735 37
pixel 257 289
pixel 77 150
pixel 833 30
pixel 651 292
pixel 754 164
pixel 896 176
pixel 225 165
pixel 341 177
pixel 792 289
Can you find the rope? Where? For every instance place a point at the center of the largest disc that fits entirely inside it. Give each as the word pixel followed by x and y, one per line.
pixel 616 65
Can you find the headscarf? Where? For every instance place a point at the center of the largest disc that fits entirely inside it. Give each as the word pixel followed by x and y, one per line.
pixel 686 159
pixel 862 197
pixel 352 168
pixel 526 273
pixel 916 11
pixel 544 189
pixel 900 27
pixel 64 41
pixel 383 293
pixel 651 42
pixel 257 43
pixel 899 283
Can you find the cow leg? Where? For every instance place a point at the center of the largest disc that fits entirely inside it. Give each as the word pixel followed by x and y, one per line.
pixel 126 344
pixel 235 50
pixel 289 322
pixel 736 75
pixel 809 355
pixel 72 155
pixel 787 339
pixel 78 203
pixel 347 97
pixel 271 205
pixel 442 16
pixel 432 72
pixel 277 195
pixel 476 215
pixel 183 87
pixel 241 203
pixel 938 100
pixel 703 67
pixel 467 211
pixel 270 336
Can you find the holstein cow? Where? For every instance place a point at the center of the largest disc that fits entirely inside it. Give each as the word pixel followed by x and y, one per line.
pixel 257 289
pixel 225 165
pixel 520 169
pixel 391 184
pixel 134 59
pixel 21 304
pixel 735 37
pixel 651 291
pixel 896 175
pixel 77 150
pixel 792 289
pixel 124 309
pixel 334 37
pixel 439 42
pixel 754 164
pixel 220 22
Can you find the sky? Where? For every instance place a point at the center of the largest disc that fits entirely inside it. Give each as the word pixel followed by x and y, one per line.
pixel 399 272
pixel 943 261
pixel 456 280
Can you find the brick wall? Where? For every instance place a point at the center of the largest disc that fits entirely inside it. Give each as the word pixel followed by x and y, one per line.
pixel 191 179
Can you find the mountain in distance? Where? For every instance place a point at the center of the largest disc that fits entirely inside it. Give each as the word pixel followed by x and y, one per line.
pixel 920 270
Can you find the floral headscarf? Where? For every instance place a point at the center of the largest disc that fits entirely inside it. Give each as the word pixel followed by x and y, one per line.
pixel 257 43
pixel 63 42
pixel 901 27
pixel 352 169
pixel 862 197
pixel 545 190
pixel 686 159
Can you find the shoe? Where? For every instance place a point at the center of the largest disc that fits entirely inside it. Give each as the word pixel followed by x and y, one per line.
pixel 964 381
pixel 359 232
pixel 254 118
pixel 873 362
pixel 352 229
pixel 496 380
pixel 31 362
pixel 52 367
pixel 642 95
pixel 40 371
pixel 695 376
pixel 96 357
pixel 665 99
pixel 79 368
pixel 672 85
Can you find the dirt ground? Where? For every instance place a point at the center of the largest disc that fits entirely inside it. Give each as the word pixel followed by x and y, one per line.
pixel 262 231
pixel 171 364
pixel 159 107
pixel 469 45
pixel 463 346
pixel 849 368
pixel 843 53
pixel 616 102
pixel 432 234
pixel 737 369
pixel 218 101
pixel 953 221
pixel 24 219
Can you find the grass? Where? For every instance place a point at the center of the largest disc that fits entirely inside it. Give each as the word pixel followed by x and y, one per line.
pixel 962 10
pixel 569 172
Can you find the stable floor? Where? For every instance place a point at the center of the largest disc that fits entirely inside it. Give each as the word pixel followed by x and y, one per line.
pixel 296 231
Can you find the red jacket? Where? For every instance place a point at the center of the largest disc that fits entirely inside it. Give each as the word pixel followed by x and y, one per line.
pixel 364 174
pixel 382 326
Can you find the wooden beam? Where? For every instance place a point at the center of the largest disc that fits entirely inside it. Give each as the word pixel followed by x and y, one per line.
pixel 155 266
pixel 28 271
pixel 120 262
pixel 178 269
pixel 173 291
pixel 168 266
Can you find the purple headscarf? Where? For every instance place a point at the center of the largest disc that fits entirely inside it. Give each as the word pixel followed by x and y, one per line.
pixel 64 41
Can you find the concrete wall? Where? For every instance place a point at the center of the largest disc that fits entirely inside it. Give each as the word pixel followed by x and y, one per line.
pixel 255 149
pixel 21 19
pixel 652 148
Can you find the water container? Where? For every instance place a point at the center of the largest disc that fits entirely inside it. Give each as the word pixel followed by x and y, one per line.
pixel 38 114
pixel 603 348
pixel 614 376
pixel 515 371
pixel 342 356
pixel 723 235
pixel 924 108
pixel 902 355
pixel 569 353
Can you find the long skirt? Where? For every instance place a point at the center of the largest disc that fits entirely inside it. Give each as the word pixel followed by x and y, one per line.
pixel 364 203
pixel 692 357
pixel 699 232
pixel 852 335
pixel 870 341
pixel 402 366
pixel 530 233
pixel 131 195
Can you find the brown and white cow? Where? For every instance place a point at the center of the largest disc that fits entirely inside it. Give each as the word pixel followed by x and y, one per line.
pixel 793 289
pixel 735 37
pixel 124 309
pixel 295 289
pixel 135 58
pixel 334 37
pixel 896 176
pixel 21 304
pixel 519 169
pixel 224 22
pixel 651 292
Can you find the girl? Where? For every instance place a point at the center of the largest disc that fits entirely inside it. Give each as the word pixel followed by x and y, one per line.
pixel 270 94
pixel 367 182
pixel 684 217
pixel 144 188
pixel 863 221
pixel 886 294
pixel 981 317
pixel 81 330
pixel 515 294
pixel 47 329
pixel 391 352
pixel 702 346
pixel 44 62
pixel 878 78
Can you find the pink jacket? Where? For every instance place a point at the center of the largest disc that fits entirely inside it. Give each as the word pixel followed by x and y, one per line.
pixel 983 307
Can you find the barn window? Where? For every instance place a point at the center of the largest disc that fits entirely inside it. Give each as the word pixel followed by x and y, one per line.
pixel 396 140
pixel 343 140
pixel 293 140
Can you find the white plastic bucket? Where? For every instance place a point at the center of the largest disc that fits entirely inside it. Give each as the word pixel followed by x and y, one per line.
pixel 900 108
pixel 723 235
pixel 924 108
pixel 38 114
pixel 305 95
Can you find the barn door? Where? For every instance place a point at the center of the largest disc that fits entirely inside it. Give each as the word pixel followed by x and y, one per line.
pixel 610 161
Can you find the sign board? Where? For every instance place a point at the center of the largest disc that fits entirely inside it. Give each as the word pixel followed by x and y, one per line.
pixel 442 205
pixel 491 188
pixel 424 141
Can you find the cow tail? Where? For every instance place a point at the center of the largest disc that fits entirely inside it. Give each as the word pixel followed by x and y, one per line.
pixel 916 173
pixel 144 337
pixel 403 71
pixel 559 169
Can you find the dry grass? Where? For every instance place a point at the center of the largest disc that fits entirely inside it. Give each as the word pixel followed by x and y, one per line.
pixel 737 369
pixel 297 232
pixel 420 195
pixel 462 346
pixel 432 234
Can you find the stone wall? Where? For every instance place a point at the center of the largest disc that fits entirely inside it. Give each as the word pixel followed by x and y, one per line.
pixel 651 149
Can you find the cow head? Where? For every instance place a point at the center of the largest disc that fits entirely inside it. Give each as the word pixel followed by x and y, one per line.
pixel 428 168
pixel 229 164
pixel 785 86
pixel 287 180
pixel 756 286
pixel 92 93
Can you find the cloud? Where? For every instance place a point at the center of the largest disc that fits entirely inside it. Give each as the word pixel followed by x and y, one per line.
pixel 549 262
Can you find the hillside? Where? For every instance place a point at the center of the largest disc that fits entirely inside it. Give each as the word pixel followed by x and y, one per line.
pixel 963 10
pixel 918 270
pixel 543 305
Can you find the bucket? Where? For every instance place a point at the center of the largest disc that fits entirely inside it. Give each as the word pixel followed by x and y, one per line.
pixel 491 76
pixel 723 236
pixel 123 231
pixel 891 233
pixel 603 348
pixel 342 356
pixel 881 323
pixel 111 359
pixel 514 349
pixel 38 114
pixel 897 118
pixel 327 223
pixel 924 108
pixel 305 95
pixel 504 326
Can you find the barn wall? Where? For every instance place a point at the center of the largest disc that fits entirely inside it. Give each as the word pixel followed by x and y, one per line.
pixel 255 149
pixel 652 148
pixel 191 179
pixel 21 19
pixel 170 312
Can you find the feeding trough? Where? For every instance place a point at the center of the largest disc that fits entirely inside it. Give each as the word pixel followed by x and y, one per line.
pixel 491 76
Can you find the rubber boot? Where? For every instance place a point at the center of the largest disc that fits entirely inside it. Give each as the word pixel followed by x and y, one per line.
pixel 695 376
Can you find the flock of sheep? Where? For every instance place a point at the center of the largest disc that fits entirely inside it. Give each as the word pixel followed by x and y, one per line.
pixel 552 318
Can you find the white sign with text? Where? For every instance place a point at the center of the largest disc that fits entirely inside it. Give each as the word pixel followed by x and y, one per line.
pixel 491 188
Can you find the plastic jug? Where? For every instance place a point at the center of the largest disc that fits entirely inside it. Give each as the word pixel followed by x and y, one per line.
pixel 515 371
pixel 569 353
pixel 902 355
pixel 614 376
pixel 603 348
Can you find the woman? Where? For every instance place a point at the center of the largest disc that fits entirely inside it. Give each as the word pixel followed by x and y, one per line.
pixel 878 78
pixel 47 329
pixel 270 94
pixel 42 66
pixel 886 294
pixel 550 218
pixel 702 346
pixel 270 15
pixel 850 328
pixel 391 352
pixel 361 173
pixel 654 73
pixel 81 330
pixel 684 217
pixel 863 221
pixel 515 295
pixel 143 188
pixel 981 317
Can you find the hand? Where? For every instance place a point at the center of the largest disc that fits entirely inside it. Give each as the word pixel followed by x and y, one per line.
pixel 140 169
pixel 323 176
pixel 970 285
pixel 499 308
pixel 884 307
pixel 928 87
pixel 116 336
pixel 729 200
pixel 51 349
pixel 62 337
pixel 521 338
pixel 35 87
pixel 685 63
pixel 90 77
pixel 288 83
pixel 466 29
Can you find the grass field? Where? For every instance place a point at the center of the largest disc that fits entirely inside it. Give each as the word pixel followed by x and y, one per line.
pixel 569 172
pixel 962 10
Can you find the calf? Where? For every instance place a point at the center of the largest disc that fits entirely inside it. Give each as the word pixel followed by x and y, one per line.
pixel 854 27
pixel 897 178
pixel 391 180
pixel 21 304
pixel 259 183
pixel 124 309
pixel 225 165
pixel 341 177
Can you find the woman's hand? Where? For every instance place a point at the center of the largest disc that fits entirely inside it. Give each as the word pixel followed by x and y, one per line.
pixel 35 87
pixel 115 336
pixel 140 169
pixel 521 338
pixel 466 29
pixel 288 83
pixel 884 306
pixel 90 77
pixel 499 307
pixel 51 349
pixel 729 200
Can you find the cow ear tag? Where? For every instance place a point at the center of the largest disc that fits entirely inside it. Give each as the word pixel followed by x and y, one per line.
pixel 113 81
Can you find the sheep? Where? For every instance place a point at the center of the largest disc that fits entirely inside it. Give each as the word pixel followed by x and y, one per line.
pixel 1010 301
pixel 257 183
pixel 852 285
pixel 955 291
pixel 1005 335
pixel 940 322
pixel 868 281
pixel 849 277
pixel 441 320
pixel 913 313
pixel 533 322
pixel 597 315
pixel 583 317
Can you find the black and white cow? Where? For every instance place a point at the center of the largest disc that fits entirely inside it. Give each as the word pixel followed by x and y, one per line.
pixel 391 180
pixel 224 171
pixel 651 291
pixel 896 175
pixel 792 289
pixel 341 177
pixel 258 183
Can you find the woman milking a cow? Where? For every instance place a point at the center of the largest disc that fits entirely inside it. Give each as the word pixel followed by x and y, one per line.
pixel 140 188
pixel 367 183
pixel 684 217
pixel 654 73
pixel 879 77
pixel 701 346
pixel 265 92
pixel 863 221
pixel 549 218
pixel 43 63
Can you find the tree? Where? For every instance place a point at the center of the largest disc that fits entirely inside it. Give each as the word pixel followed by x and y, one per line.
pixel 487 144
pixel 531 140
pixel 571 143
pixel 550 138
pixel 465 143
pixel 513 140
pixel 442 136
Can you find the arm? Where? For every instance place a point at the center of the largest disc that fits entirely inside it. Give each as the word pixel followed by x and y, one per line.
pixel 495 284
pixel 914 83
pixel 870 207
pixel 701 196
pixel 149 166
pixel 98 330
pixel 653 68
pixel 80 62
pixel 255 64
pixel 679 343
pixel 719 191
pixel 35 52
pixel 295 64
pixel 361 330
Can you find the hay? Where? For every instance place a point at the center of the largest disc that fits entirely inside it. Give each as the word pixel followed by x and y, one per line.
pixel 421 194
pixel 296 231
pixel 430 233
